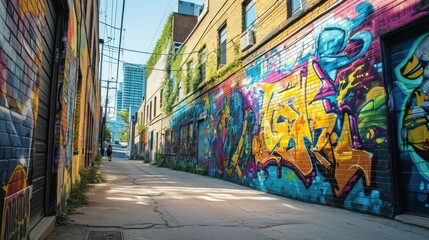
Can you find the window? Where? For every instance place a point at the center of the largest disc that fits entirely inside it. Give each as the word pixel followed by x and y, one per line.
pixel 180 91
pixel 222 45
pixel 296 5
pixel 147 113
pixel 150 111
pixel 202 56
pixel 157 140
pixel 154 108
pixel 249 8
pixel 181 134
pixel 188 76
pixel 177 46
pixel 171 149
pixel 151 140
pixel 160 99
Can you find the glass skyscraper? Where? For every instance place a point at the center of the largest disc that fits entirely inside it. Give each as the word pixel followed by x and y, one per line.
pixel 133 88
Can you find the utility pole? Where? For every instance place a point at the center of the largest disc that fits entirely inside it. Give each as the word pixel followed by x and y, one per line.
pixel 105 105
pixel 100 76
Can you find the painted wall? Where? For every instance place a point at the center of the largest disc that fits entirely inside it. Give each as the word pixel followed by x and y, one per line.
pixel 65 111
pixel 21 27
pixel 408 56
pixel 21 52
pixel 308 119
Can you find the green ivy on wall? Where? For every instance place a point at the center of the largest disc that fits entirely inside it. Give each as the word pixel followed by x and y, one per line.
pixel 170 84
pixel 162 44
pixel 230 68
pixel 192 76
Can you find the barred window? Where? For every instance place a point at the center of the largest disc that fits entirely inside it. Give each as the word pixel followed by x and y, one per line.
pixel 222 45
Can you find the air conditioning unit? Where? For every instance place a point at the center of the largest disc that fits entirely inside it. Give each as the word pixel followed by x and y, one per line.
pixel 247 39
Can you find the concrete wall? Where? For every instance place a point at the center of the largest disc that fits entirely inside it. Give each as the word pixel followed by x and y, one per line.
pixel 306 116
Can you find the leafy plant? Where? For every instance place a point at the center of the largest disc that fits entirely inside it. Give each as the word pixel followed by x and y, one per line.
pixel 172 80
pixel 141 128
pixel 124 115
pixel 107 133
pixel 162 43
pixel 77 198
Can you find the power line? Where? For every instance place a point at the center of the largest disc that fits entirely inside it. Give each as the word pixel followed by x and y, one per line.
pixel 150 53
pixel 262 17
pixel 157 29
pixel 109 25
pixel 122 61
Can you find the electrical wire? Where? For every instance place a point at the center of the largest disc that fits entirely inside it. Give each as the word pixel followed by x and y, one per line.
pixel 157 29
pixel 150 53
pixel 263 17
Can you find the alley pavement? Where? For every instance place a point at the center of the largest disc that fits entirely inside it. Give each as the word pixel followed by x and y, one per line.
pixel 141 201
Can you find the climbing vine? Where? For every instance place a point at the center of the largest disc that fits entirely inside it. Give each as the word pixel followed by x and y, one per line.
pixel 171 80
pixel 230 68
pixel 162 44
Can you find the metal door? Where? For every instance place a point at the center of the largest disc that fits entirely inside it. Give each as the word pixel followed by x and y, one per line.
pixel 201 145
pixel 42 164
pixel 408 59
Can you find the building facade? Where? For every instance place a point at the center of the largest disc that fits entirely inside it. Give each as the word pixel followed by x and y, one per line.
pixel 188 8
pixel 49 107
pixel 319 100
pixel 150 115
pixel 134 86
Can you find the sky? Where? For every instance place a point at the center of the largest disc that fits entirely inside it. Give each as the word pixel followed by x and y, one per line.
pixel 143 24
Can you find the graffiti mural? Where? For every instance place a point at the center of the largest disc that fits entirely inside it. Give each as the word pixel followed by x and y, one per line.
pixel 305 120
pixel 411 91
pixel 20 66
pixel 65 111
pixel 16 211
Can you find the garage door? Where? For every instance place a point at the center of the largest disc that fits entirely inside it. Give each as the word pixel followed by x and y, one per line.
pixel 408 52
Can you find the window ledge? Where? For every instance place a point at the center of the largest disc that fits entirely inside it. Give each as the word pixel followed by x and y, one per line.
pixel 289 21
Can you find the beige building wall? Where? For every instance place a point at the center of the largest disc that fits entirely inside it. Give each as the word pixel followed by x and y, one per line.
pixel 150 112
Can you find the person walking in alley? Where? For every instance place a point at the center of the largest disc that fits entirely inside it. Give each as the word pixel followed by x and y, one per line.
pixel 109 152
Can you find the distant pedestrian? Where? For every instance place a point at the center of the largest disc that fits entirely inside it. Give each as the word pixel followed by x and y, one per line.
pixel 109 152
pixel 104 148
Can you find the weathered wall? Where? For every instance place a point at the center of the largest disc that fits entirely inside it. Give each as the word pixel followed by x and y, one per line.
pixel 65 110
pixel 308 118
pixel 21 27
pixel 23 73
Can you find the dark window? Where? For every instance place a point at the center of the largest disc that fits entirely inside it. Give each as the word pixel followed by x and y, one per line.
pixel 141 118
pixel 222 45
pixel 154 108
pixel 151 140
pixel 150 111
pixel 296 5
pixel 147 113
pixel 160 99
pixel 171 140
pixel 177 47
pixel 202 56
pixel 157 140
pixel 249 8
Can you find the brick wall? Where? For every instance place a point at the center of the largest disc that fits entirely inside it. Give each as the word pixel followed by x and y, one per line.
pixel 308 118
pixel 21 24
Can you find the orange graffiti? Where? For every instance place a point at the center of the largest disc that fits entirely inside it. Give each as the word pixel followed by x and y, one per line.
pixel 289 120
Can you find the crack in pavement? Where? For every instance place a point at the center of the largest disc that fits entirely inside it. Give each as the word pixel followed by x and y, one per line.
pixel 160 213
